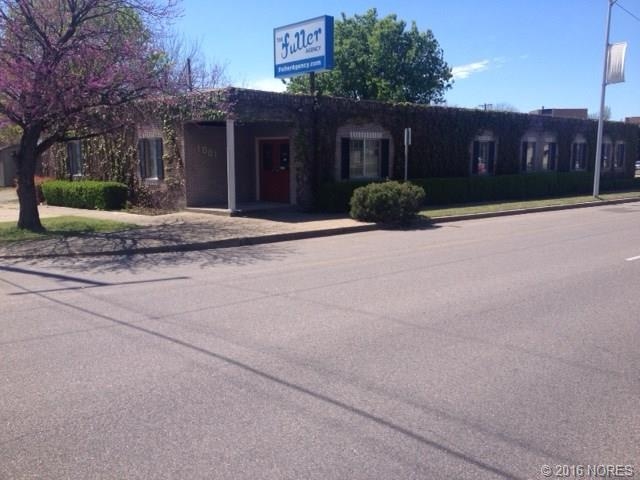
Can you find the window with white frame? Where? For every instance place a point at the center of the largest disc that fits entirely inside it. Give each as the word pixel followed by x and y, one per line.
pixel 150 158
pixel 74 158
pixel 364 159
pixel 365 155
pixel 483 154
pixel 606 154
pixel 579 153
pixel 549 158
pixel 538 153
pixel 618 156
pixel 528 154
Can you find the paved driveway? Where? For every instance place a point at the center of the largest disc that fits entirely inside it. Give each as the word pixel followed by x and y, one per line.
pixel 8 194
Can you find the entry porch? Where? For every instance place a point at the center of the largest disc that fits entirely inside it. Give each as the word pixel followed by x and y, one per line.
pixel 233 167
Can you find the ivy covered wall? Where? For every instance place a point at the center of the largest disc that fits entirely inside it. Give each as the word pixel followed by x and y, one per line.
pixel 441 137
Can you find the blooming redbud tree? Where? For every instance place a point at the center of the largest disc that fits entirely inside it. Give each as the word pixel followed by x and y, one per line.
pixel 64 66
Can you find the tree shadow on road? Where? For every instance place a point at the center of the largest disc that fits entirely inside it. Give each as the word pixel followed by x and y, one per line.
pixel 132 250
pixel 144 262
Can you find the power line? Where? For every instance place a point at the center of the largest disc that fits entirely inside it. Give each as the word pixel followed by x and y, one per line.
pixel 630 13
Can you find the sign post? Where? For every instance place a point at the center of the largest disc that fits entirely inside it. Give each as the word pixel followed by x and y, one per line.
pixel 407 142
pixel 305 47
pixel 613 72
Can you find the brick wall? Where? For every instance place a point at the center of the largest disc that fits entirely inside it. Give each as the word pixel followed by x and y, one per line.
pixel 442 139
pixel 442 136
pixel 205 153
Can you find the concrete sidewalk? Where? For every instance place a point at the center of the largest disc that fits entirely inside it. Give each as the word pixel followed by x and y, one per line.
pixel 182 231
pixel 190 231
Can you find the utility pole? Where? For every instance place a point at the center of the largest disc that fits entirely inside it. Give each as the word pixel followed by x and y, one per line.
pixel 596 170
pixel 189 79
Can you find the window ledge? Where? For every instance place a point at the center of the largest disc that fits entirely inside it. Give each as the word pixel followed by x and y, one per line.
pixel 152 181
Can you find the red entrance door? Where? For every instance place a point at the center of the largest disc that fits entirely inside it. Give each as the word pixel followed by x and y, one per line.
pixel 274 170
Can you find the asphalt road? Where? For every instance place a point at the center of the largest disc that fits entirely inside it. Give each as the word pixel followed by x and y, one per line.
pixel 481 349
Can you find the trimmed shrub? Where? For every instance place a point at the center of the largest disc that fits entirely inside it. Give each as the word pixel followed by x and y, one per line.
pixel 445 191
pixel 38 181
pixel 390 202
pixel 620 183
pixel 89 194
pixel 334 197
pixel 575 183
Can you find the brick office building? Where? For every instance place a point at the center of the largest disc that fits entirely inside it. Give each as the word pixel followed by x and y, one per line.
pixel 233 147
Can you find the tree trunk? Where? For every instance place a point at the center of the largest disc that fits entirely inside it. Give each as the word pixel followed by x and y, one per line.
pixel 26 160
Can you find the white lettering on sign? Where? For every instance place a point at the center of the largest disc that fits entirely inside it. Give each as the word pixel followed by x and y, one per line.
pixel 303 47
pixel 301 41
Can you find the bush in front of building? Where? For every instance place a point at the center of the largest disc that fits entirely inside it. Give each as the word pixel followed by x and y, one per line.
pixel 614 184
pixel 38 181
pixel 390 202
pixel 334 197
pixel 446 191
pixel 88 194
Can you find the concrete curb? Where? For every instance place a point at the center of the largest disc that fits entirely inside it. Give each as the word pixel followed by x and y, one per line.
pixel 212 244
pixel 521 211
pixel 289 236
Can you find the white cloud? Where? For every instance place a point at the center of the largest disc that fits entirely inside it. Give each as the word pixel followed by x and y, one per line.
pixel 267 84
pixel 464 71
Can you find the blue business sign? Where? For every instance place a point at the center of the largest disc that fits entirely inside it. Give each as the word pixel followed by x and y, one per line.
pixel 303 47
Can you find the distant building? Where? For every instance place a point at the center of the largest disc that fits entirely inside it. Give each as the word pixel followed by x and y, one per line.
pixel 7 165
pixel 581 113
pixel 633 120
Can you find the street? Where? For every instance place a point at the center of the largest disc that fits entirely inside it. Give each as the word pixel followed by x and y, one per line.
pixel 471 350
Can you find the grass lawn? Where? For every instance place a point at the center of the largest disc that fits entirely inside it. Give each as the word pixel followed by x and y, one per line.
pixel 469 209
pixel 60 227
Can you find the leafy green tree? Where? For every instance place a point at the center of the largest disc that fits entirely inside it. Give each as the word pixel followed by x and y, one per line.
pixel 381 59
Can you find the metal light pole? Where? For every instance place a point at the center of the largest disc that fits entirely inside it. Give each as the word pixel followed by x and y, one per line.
pixel 596 170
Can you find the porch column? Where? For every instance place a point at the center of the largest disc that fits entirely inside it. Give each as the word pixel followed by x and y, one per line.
pixel 231 166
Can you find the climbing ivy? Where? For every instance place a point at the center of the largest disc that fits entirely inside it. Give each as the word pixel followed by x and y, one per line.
pixel 442 138
pixel 113 156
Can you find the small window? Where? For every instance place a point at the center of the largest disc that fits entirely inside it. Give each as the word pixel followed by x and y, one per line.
pixel 606 155
pixel 364 158
pixel 284 156
pixel 618 158
pixel 483 155
pixel 579 154
pixel 539 154
pixel 74 158
pixel 549 154
pixel 529 154
pixel 150 158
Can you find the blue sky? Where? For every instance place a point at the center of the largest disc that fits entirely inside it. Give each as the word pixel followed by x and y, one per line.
pixel 523 53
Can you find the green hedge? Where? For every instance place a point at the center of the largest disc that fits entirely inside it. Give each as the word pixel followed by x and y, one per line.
pixel 334 197
pixel 613 184
pixel 89 194
pixel 442 191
